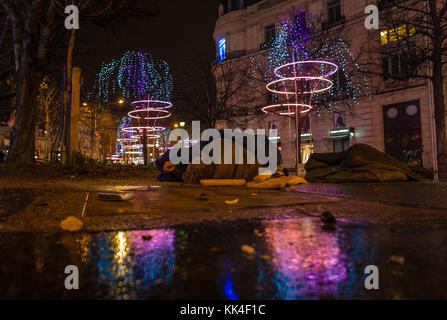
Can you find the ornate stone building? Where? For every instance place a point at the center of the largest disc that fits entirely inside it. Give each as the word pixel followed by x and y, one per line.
pixel 395 116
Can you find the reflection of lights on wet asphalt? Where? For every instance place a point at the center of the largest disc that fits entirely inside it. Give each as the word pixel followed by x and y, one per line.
pixel 304 258
pixel 122 246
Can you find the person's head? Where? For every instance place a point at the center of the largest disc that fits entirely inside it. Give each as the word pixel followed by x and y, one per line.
pixel 175 170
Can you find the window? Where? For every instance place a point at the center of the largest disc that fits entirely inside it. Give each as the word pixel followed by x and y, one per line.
pixel 234 5
pixel 270 33
pixel 395 34
pixel 397 65
pixel 339 79
pixel 221 49
pixel 334 11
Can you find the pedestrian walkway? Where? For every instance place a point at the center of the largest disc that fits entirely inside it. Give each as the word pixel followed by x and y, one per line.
pixel 427 195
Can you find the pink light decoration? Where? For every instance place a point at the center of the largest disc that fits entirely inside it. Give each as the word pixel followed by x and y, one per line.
pixel 333 66
pixel 164 104
pixel 146 113
pixel 132 113
pixel 319 80
pixel 306 106
pixel 304 73
pixel 148 128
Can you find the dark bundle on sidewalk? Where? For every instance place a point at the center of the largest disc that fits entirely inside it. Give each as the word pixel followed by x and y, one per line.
pixel 360 163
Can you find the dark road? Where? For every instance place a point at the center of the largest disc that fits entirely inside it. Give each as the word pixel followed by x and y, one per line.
pixel 293 259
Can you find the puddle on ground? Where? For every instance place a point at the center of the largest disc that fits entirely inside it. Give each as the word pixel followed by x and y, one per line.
pixel 12 201
pixel 294 259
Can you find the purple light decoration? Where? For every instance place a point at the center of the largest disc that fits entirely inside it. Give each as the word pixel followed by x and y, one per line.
pixel 299 28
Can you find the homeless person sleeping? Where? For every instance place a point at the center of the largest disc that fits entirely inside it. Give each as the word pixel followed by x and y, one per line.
pixel 256 155
pixel 192 173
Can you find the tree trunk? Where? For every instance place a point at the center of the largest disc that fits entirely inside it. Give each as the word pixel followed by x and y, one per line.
pixel 35 36
pixel 144 142
pixel 21 149
pixel 439 104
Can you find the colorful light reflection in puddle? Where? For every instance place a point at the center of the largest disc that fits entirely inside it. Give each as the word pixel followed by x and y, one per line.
pixel 306 261
pixel 127 264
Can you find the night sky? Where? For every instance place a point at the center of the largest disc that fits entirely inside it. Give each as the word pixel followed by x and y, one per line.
pixel 181 27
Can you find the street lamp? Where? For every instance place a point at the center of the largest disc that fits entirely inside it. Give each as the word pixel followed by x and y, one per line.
pixel 182 124
pixel 121 101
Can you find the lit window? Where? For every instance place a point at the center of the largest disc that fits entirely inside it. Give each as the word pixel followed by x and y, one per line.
pixel 384 37
pixel 221 49
pixel 395 34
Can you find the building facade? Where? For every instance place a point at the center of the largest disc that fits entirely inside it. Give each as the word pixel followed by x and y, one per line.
pixel 395 117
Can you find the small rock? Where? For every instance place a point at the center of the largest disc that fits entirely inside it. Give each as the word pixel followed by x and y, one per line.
pixel 71 224
pixel 248 249
pixel 203 196
pixel 147 237
pixel 397 259
pixel 328 221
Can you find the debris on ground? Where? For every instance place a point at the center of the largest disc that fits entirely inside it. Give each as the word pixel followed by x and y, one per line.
pixel 328 220
pixel 276 183
pixel 262 177
pixel 71 224
pixel 147 237
pixel 293 181
pixel 203 196
pixel 247 249
pixel 397 259
pixel 223 182
pixel 115 196
pixel 232 201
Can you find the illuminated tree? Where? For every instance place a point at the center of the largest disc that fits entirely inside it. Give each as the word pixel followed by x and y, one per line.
pixel 308 68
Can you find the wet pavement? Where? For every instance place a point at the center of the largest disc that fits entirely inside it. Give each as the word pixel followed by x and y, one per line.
pixel 427 195
pixel 294 259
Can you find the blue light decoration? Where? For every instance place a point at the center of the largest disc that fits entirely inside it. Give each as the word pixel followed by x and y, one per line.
pixel 134 76
pixel 221 48
pixel 137 77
